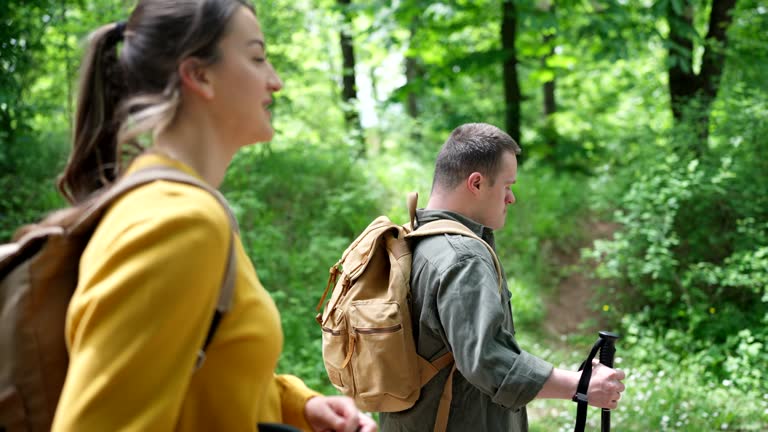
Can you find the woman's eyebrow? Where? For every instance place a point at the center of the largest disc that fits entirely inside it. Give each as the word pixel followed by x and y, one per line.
pixel 256 42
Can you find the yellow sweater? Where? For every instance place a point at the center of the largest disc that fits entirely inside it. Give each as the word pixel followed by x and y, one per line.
pixel 149 281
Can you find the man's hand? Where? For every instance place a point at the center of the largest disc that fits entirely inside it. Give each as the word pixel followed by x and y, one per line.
pixel 336 414
pixel 605 387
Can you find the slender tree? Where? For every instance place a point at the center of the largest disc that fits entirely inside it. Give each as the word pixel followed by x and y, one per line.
pixel 414 69
pixel 511 80
pixel 685 85
pixel 349 85
pixel 549 105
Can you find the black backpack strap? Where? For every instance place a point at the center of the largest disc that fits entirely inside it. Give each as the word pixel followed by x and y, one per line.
pixel 225 300
pixel 276 427
pixel 581 389
pixel 148 175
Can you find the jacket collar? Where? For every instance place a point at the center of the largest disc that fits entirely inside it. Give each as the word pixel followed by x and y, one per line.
pixel 424 216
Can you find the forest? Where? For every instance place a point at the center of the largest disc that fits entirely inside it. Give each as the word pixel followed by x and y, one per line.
pixel 642 204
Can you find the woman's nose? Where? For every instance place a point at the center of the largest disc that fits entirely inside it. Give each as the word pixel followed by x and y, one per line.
pixel 275 83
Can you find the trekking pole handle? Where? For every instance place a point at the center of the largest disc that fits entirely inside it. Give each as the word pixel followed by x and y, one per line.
pixel 607 352
pixel 608 349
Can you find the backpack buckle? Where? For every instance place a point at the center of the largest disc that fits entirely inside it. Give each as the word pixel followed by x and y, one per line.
pixel 200 359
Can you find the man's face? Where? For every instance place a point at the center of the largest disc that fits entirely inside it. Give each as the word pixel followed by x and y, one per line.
pixel 496 194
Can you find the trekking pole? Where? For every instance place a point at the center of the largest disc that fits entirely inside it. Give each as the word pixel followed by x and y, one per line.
pixel 607 352
pixel 606 348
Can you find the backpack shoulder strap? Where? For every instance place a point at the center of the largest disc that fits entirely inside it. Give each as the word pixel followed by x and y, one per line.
pixel 148 175
pixel 140 178
pixel 445 226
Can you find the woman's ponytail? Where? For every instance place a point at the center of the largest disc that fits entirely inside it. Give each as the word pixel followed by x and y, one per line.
pixel 94 161
pixel 123 99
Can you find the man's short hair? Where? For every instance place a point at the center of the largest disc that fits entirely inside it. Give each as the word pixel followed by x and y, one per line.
pixel 471 147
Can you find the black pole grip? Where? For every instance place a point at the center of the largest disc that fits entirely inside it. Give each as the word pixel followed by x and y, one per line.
pixel 608 349
pixel 607 352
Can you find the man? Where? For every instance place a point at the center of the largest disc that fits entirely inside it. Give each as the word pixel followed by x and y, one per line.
pixel 457 306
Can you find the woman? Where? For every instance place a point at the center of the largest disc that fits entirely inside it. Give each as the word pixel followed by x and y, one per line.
pixel 192 79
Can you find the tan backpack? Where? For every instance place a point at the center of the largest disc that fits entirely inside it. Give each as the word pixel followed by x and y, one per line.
pixel 368 346
pixel 38 275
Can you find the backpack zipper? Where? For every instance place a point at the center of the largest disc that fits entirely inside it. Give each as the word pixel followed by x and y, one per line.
pixel 332 331
pixel 390 329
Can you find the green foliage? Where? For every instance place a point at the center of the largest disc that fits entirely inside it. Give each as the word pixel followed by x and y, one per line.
pixel 294 228
pixel 690 264
pixel 686 274
pixel 32 191
pixel 668 390
pixel 28 174
pixel 547 217
pixel 39 48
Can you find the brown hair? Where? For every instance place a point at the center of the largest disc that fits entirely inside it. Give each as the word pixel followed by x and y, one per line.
pixel 129 90
pixel 471 147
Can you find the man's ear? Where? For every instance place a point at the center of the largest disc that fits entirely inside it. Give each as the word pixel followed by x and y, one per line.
pixel 474 181
pixel 194 77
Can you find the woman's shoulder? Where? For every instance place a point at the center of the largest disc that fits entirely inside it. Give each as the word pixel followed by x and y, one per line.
pixel 168 200
pixel 172 213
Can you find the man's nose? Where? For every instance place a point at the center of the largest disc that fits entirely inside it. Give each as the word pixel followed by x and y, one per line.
pixel 511 198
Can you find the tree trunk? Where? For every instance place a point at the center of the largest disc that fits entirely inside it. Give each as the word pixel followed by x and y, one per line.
pixel 511 84
pixel 686 86
pixel 549 106
pixel 413 70
pixel 68 67
pixel 548 89
pixel 349 89
pixel 682 79
pixel 713 61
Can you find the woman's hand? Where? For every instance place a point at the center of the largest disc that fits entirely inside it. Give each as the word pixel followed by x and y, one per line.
pixel 337 414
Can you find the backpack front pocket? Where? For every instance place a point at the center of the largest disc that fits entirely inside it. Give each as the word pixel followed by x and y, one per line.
pixel 335 354
pixel 383 362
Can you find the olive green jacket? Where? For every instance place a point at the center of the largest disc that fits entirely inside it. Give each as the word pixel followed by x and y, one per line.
pixel 457 306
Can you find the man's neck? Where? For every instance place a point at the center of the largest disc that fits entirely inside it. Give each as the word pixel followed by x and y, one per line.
pixel 453 201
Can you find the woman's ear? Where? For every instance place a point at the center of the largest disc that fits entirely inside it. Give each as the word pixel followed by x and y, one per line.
pixel 194 77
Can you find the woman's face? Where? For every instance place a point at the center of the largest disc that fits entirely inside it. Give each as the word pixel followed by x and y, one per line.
pixel 243 82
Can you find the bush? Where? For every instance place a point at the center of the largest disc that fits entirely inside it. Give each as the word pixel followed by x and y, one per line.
pixel 298 210
pixel 667 389
pixel 547 219
pixel 36 161
pixel 690 267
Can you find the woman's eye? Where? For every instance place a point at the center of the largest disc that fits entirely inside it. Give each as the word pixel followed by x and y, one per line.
pixel 259 59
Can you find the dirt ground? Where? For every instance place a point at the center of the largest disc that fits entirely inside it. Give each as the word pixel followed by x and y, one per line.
pixel 571 309
pixel 571 305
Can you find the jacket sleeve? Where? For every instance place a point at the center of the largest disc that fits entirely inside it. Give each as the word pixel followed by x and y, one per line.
pixel 472 314
pixel 294 395
pixel 149 282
